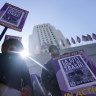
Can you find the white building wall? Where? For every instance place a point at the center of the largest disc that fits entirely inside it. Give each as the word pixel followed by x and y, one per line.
pixel 61 37
pixel 33 43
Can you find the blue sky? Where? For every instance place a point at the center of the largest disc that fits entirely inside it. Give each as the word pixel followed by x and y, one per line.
pixel 72 17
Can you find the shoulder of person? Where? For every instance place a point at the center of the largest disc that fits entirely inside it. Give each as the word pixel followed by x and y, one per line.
pixel 48 63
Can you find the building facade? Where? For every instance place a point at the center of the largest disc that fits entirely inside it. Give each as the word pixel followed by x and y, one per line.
pixel 43 36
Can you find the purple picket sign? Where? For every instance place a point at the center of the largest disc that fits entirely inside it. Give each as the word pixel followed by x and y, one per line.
pixel 76 74
pixel 14 37
pixel 12 17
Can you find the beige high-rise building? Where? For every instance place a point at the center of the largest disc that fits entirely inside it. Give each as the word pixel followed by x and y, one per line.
pixel 43 36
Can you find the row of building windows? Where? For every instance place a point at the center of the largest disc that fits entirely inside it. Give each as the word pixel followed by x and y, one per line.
pixel 45 31
pixel 41 26
pixel 45 51
pixel 48 37
pixel 48 42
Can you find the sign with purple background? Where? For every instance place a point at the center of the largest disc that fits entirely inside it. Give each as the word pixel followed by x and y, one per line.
pixel 76 74
pixel 12 17
pixel 14 37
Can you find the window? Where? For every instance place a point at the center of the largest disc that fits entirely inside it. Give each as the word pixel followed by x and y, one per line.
pixel 51 42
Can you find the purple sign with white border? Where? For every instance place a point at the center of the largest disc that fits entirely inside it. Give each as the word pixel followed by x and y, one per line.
pixel 12 17
pixel 76 74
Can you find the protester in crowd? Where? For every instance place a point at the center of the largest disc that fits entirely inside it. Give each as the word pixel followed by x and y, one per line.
pixel 13 70
pixel 48 76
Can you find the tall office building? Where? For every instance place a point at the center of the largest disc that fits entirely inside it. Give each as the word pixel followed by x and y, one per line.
pixel 43 36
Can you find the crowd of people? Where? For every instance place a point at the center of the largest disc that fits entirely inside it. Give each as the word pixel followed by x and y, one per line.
pixel 15 79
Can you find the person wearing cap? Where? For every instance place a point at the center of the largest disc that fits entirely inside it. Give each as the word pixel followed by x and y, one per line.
pixel 49 77
pixel 13 70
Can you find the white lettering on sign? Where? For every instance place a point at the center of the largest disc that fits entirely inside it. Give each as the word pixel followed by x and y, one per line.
pixel 14 12
pixel 72 63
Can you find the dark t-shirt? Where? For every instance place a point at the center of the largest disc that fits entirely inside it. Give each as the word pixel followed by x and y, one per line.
pixel 49 79
pixel 12 69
